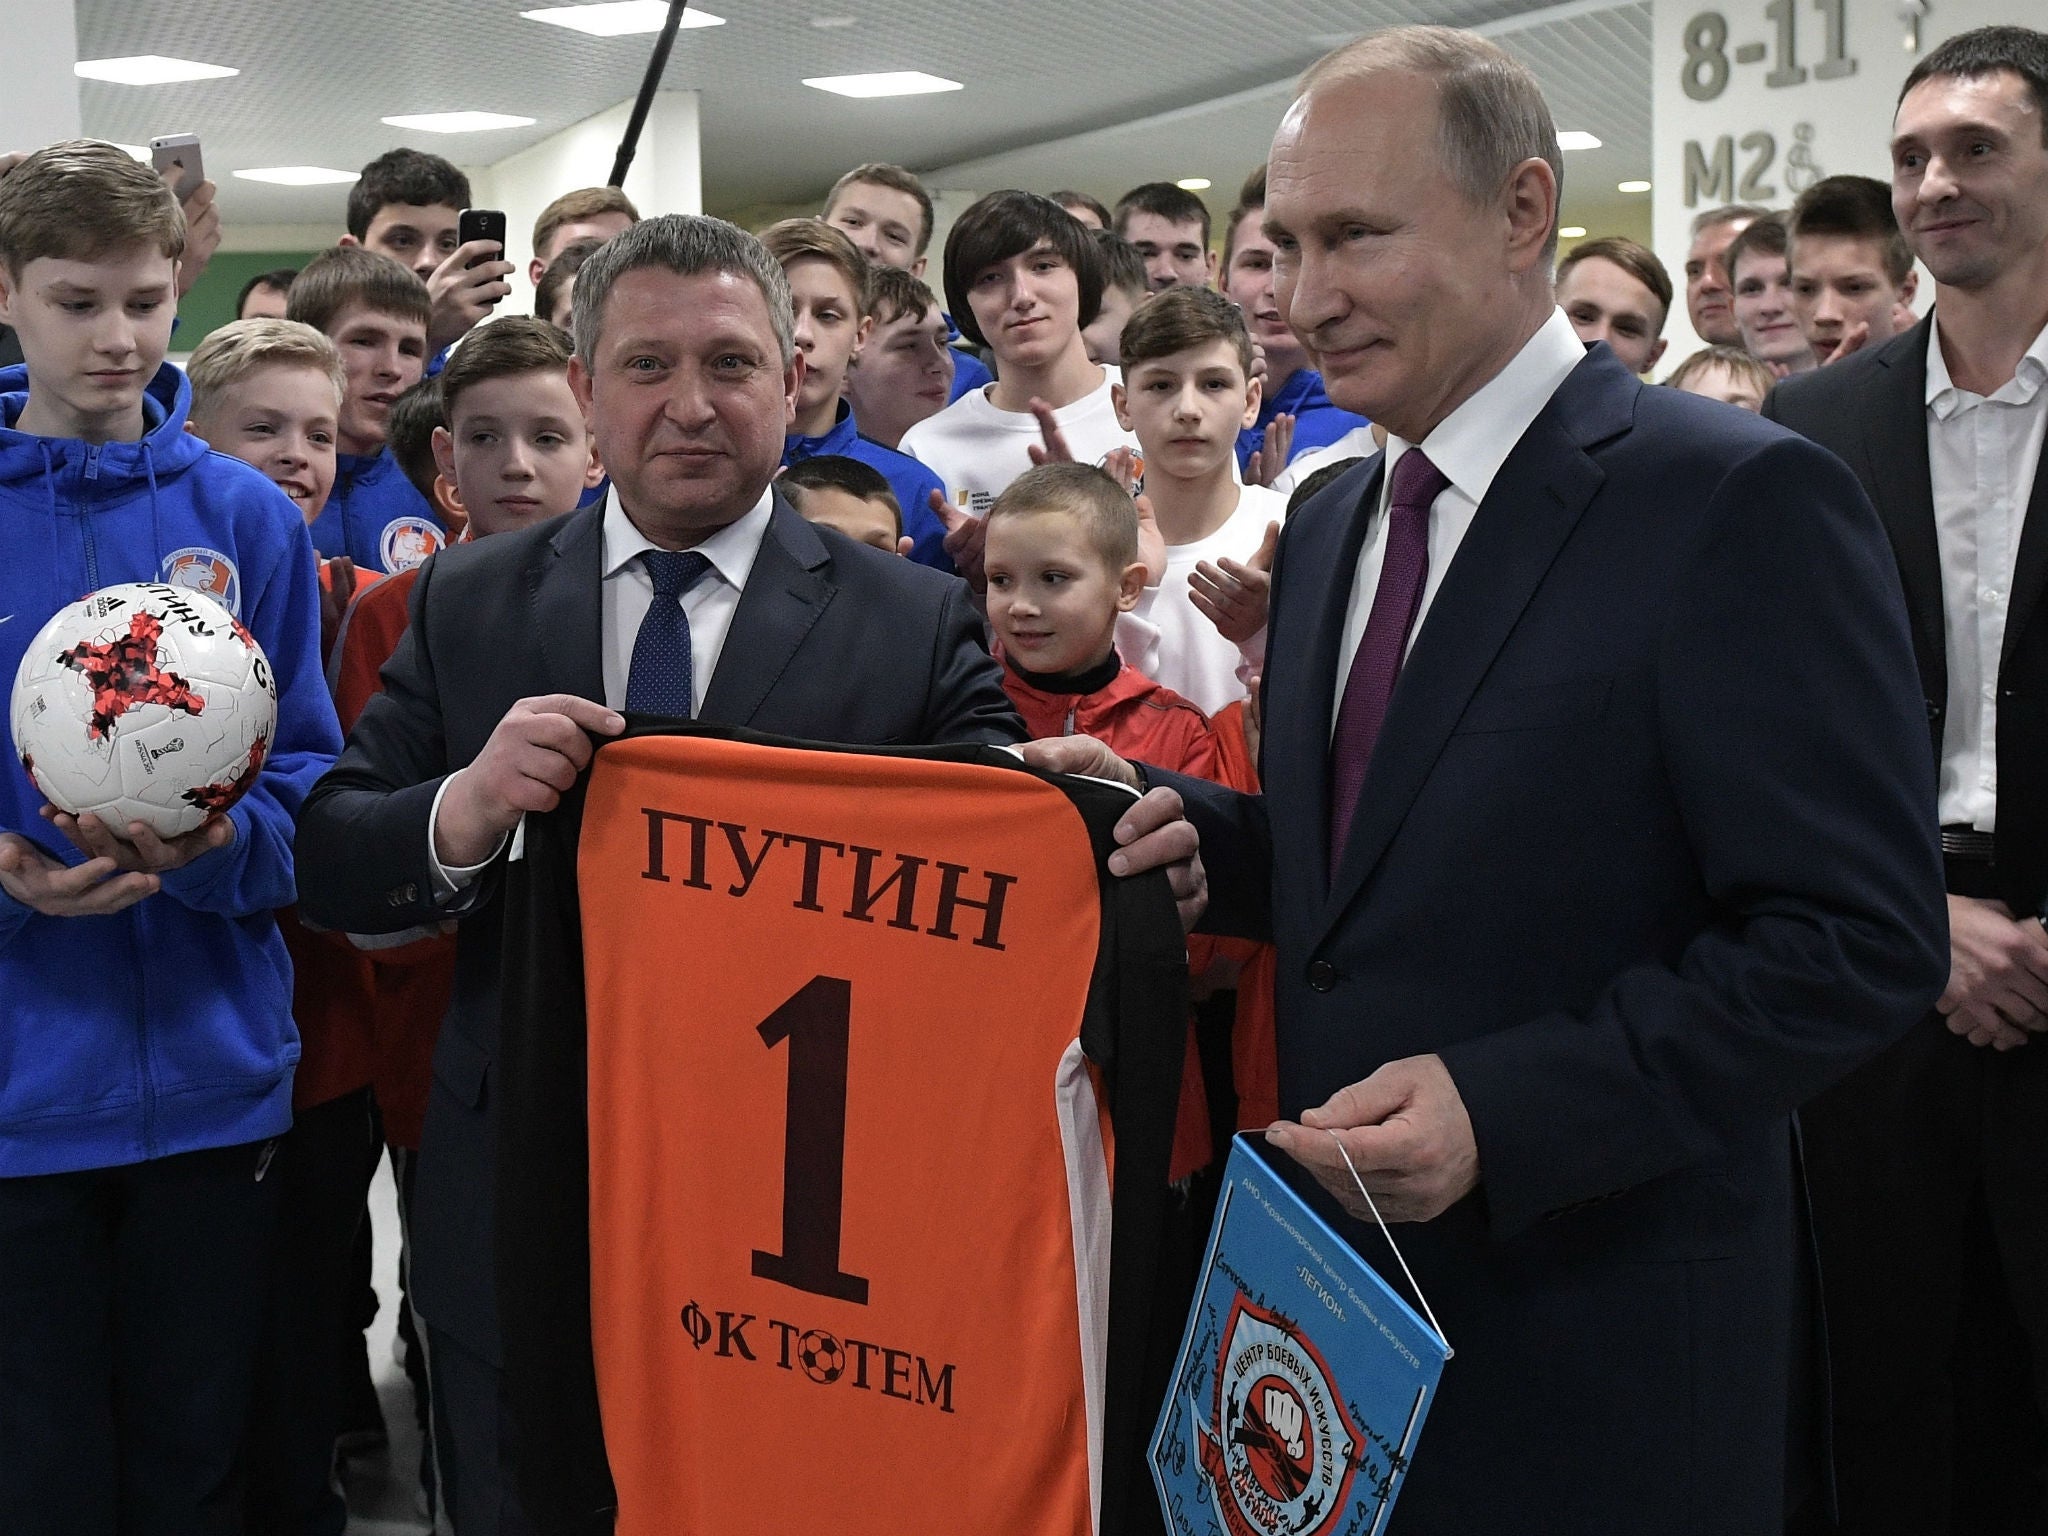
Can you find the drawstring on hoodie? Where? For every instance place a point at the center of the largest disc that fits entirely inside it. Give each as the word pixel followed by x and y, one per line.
pixel 56 508
pixel 156 527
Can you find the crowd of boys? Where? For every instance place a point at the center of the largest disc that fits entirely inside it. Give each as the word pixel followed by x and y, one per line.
pixel 1099 430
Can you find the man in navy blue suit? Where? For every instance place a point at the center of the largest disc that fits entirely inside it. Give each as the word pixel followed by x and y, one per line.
pixel 1596 828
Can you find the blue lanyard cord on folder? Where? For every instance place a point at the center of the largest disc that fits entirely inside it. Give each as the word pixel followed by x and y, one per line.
pixel 1369 1205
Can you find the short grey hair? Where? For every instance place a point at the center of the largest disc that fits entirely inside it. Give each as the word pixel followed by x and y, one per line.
pixel 1491 115
pixel 686 244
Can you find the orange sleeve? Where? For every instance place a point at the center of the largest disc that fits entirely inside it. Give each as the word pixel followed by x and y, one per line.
pixel 376 619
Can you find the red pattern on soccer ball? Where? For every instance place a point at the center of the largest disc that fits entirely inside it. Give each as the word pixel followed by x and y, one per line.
pixel 123 674
pixel 218 797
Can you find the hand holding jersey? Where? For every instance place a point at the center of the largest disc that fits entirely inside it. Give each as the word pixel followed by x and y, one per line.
pixel 1153 834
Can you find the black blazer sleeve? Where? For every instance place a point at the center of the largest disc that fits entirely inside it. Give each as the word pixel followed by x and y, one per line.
pixel 363 861
pixel 1818 842
pixel 967 702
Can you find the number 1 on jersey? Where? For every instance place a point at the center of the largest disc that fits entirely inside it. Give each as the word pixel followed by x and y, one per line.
pixel 816 1022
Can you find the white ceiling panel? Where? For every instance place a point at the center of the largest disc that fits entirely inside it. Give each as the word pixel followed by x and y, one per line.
pixel 316 75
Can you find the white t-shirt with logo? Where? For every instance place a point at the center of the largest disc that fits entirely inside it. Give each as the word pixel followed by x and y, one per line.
pixel 1171 641
pixel 977 449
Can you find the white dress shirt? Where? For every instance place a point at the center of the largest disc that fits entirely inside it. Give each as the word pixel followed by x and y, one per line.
pixel 627 593
pixel 1982 452
pixel 1468 447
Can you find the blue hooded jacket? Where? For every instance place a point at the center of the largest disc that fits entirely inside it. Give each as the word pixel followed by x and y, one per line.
pixel 912 482
pixel 166 1027
pixel 376 516
pixel 1317 422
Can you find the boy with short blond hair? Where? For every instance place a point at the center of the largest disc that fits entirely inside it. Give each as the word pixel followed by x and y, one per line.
pixel 1186 393
pixel 376 314
pixel 828 284
pixel 268 392
pixel 887 213
pixel 905 372
pixel 1063 569
pixel 588 213
pixel 143 1003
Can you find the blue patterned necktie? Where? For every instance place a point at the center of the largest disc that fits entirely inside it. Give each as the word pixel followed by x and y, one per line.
pixel 659 682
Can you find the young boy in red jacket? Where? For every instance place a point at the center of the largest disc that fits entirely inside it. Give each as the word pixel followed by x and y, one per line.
pixel 1062 564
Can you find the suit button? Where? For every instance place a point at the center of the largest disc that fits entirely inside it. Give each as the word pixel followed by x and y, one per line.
pixel 1322 975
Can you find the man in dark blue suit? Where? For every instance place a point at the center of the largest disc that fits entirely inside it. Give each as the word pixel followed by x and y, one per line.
pixel 1595 829
pixel 694 590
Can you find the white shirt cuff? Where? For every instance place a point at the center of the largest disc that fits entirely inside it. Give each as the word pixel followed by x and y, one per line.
pixel 451 882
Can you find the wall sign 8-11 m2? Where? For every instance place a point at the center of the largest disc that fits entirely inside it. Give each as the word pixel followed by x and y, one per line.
pixel 1710 61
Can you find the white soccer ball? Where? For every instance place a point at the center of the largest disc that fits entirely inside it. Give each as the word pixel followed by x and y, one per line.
pixel 144 702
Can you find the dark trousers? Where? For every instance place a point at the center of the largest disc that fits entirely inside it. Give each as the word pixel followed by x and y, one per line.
pixel 1929 1174
pixel 473 1440
pixel 130 1301
pixel 325 1164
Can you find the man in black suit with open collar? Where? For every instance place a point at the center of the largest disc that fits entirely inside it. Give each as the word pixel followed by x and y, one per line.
pixel 693 591
pixel 1929 1167
pixel 1595 834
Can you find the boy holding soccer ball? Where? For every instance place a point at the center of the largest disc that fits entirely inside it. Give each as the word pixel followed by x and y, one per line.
pixel 146 1038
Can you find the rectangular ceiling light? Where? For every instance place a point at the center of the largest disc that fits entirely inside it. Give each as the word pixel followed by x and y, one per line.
pixel 898 82
pixel 619 18
pixel 1574 138
pixel 458 122
pixel 149 69
pixel 299 175
pixel 1631 186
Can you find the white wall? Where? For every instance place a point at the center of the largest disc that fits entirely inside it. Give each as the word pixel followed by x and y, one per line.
pixel 666 176
pixel 1719 116
pixel 38 91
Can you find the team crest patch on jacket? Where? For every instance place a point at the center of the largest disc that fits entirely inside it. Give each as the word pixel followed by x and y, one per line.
pixel 1281 1450
pixel 407 542
pixel 205 570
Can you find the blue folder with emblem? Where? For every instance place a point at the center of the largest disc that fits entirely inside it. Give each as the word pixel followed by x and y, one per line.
pixel 1302 1381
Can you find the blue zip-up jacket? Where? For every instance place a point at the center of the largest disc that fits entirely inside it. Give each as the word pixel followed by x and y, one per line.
pixel 376 517
pixel 912 482
pixel 167 1027
pixel 1317 423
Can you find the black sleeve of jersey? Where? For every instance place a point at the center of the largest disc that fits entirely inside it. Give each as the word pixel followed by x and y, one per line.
pixel 543 1239
pixel 1135 1030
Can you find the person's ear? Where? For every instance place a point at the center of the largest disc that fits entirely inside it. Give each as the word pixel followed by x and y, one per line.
pixel 348 240
pixel 1657 352
pixel 593 472
pixel 1530 203
pixel 792 386
pixel 862 334
pixel 1907 290
pixel 1254 397
pixel 579 385
pixel 1120 402
pixel 193 427
pixel 536 269
pixel 1130 586
pixel 444 453
pixel 917 267
pixel 7 291
pixel 904 545
pixel 448 502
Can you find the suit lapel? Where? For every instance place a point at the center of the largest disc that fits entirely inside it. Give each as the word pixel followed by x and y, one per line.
pixel 1322 546
pixel 1895 439
pixel 783 598
pixel 1533 505
pixel 566 583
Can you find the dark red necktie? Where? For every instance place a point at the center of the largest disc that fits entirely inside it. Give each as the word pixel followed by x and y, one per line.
pixel 1376 667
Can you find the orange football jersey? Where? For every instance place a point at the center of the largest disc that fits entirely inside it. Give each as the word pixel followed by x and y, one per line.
pixel 862 1039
